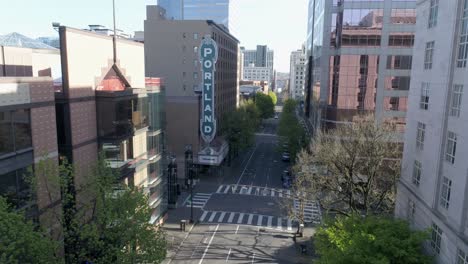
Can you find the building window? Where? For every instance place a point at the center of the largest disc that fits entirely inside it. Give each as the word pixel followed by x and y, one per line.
pixel 184 74
pixel 411 210
pixel 462 258
pixel 455 106
pixel 195 63
pixel 184 35
pixel 421 133
pixel 184 87
pixel 451 147
pixel 184 48
pixel 195 49
pixel 195 75
pixel 433 10
pixel 15 131
pixel 424 102
pixel 445 193
pixel 416 172
pixel 429 53
pixel 436 238
pixel 195 35
pixel 463 45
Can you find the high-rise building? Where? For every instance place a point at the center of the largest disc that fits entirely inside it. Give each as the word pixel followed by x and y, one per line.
pixel 258 64
pixel 432 193
pixel 297 70
pixel 358 60
pixel 172 52
pixel 222 12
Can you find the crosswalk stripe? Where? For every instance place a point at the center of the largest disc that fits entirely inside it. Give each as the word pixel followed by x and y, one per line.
pixel 212 217
pixel 280 223
pixel 259 221
pixel 221 217
pixel 273 192
pixel 289 225
pixel 257 190
pixel 280 193
pixel 241 216
pixel 231 217
pixel 219 188
pixel 203 216
pixel 249 221
pixel 270 219
pixel 227 189
pixel 234 188
pixel 250 190
pixel 288 192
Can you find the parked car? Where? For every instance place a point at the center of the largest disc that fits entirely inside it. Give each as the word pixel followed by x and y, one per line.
pixel 286 176
pixel 285 157
pixel 276 116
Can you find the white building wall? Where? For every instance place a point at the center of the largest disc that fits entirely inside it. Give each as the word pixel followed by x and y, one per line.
pixel 441 78
pixel 297 71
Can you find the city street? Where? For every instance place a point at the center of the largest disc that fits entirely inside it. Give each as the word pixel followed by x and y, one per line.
pixel 239 212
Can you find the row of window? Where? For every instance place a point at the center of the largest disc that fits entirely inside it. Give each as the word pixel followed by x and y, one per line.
pixel 451 146
pixel 15 131
pixel 436 241
pixel 455 102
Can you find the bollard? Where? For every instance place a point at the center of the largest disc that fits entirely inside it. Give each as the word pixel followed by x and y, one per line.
pixel 182 225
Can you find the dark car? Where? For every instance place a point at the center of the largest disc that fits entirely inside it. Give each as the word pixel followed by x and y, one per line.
pixel 285 157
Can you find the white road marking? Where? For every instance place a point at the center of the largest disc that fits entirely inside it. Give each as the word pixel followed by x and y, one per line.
pixel 273 192
pixel 213 214
pixel 253 257
pixel 249 222
pixel 221 217
pixel 257 191
pixel 231 217
pixel 241 217
pixel 280 223
pixel 242 174
pixel 203 216
pixel 288 192
pixel 280 193
pixel 237 229
pixel 219 188
pixel 259 221
pixel 227 189
pixel 250 190
pixel 229 253
pixel 209 243
pixel 270 219
pixel 289 225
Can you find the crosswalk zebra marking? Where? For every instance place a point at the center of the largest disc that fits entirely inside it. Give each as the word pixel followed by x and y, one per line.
pixel 280 223
pixel 203 216
pixel 249 222
pixel 231 217
pixel 212 217
pixel 270 219
pixel 250 190
pixel 227 189
pixel 221 217
pixel 241 216
pixel 259 220
pixel 289 225
pixel 219 188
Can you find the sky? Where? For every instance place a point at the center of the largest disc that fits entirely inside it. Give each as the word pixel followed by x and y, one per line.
pixel 280 24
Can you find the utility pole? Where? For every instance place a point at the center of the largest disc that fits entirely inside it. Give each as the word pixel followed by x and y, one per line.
pixel 114 41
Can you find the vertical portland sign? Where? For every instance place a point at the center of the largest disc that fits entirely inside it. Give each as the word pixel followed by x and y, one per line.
pixel 208 58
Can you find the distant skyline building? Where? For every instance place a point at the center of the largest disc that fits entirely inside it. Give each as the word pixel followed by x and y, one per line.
pixel 297 74
pixel 432 192
pixel 359 61
pixel 222 12
pixel 258 64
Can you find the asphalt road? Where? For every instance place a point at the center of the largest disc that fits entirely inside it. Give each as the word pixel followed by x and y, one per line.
pixel 239 210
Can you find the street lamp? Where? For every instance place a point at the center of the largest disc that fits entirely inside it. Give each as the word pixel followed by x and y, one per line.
pixel 189 175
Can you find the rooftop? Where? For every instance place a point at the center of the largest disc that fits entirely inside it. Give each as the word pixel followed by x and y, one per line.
pixel 17 40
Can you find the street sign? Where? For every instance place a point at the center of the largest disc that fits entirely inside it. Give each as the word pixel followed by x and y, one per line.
pixel 208 57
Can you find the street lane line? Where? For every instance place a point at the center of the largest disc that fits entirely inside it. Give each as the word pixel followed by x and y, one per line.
pixel 250 190
pixel 289 225
pixel 203 216
pixel 213 214
pixel 227 189
pixel 273 192
pixel 280 193
pixel 259 221
pixel 221 217
pixel 209 243
pixel 231 217
pixel 270 219
pixel 280 223
pixel 219 188
pixel 241 217
pixel 249 221
pixel 237 229
pixel 229 253
pixel 253 257
pixel 242 174
pixel 257 191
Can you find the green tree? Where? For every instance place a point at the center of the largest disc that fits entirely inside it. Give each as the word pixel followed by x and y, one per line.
pixel 265 105
pixel 359 240
pixel 21 241
pixel 273 97
pixel 290 130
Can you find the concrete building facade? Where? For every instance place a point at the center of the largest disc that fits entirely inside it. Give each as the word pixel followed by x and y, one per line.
pixel 172 52
pixel 358 60
pixel 297 70
pixel 433 189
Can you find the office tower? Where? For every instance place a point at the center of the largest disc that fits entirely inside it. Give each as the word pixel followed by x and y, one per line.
pixel 172 52
pixel 432 193
pixel 358 60
pixel 297 72
pixel 258 64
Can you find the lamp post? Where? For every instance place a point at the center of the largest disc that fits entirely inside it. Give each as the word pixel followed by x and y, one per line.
pixel 189 175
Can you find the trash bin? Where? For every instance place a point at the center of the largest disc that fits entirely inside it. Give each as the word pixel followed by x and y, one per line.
pixel 182 225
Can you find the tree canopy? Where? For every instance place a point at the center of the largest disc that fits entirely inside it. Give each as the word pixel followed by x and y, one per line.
pixel 369 240
pixel 290 130
pixel 355 167
pixel 265 105
pixel 273 97
pixel 21 242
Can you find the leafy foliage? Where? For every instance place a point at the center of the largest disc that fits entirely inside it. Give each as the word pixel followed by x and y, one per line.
pixel 358 240
pixel 20 242
pixel 274 99
pixel 265 105
pixel 239 127
pixel 354 168
pixel 289 129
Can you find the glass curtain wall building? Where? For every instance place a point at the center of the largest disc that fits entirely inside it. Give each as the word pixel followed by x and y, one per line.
pixel 359 57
